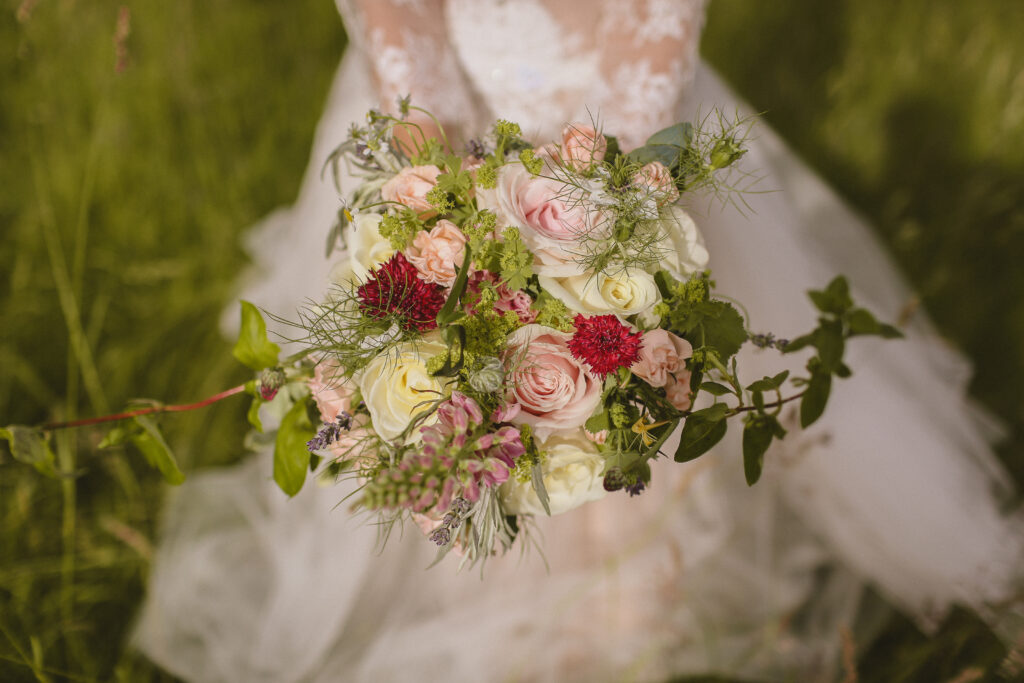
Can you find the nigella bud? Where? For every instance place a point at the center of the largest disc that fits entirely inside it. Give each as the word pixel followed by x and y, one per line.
pixel 270 380
pixel 614 479
pixel 487 376
pixel 725 153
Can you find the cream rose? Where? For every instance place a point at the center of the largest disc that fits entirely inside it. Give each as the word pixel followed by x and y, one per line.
pixel 662 355
pixel 555 392
pixel 438 254
pixel 572 474
pixel 629 291
pixel 396 383
pixel 366 248
pixel 410 187
pixel 550 222
pixel 684 248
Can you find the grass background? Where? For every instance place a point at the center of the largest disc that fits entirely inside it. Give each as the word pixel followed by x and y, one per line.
pixel 123 194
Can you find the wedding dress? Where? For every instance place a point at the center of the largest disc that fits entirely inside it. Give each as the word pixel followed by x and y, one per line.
pixel 895 487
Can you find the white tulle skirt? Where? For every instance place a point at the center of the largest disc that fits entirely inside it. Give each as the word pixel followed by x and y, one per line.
pixel 895 487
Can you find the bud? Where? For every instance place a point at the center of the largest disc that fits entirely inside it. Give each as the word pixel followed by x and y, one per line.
pixel 488 375
pixel 725 153
pixel 614 479
pixel 270 380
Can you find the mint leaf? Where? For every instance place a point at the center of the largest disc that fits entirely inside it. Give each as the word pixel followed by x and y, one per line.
pixel 253 349
pixel 291 456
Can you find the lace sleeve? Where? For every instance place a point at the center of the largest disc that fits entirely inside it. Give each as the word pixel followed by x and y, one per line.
pixel 648 59
pixel 406 45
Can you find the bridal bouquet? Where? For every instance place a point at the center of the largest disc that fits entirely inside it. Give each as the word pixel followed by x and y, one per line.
pixel 515 331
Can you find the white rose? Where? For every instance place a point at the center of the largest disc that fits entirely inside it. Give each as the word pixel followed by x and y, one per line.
pixel 627 292
pixel 395 384
pixel 366 248
pixel 683 245
pixel 572 476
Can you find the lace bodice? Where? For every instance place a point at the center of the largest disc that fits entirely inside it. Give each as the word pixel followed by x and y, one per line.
pixel 540 63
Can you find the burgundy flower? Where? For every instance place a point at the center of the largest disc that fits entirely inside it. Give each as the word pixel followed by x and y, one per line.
pixel 604 343
pixel 395 288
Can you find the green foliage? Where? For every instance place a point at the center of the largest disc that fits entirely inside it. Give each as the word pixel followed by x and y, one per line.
pixel 291 456
pixel 710 325
pixel 701 431
pixel 151 443
pixel 400 228
pixel 253 349
pixel 516 261
pixel 29 445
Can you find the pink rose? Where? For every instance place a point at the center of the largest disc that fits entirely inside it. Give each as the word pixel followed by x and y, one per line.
pixel 555 392
pixel 410 187
pixel 582 145
pixel 658 180
pixel 508 300
pixel 437 254
pixel 551 217
pixel 678 391
pixel 661 355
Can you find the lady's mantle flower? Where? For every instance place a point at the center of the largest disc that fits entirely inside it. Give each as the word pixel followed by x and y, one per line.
pixel 395 288
pixel 604 343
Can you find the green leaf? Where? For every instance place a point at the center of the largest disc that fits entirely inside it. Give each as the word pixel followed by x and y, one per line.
pixel 598 422
pixel 120 434
pixel 723 329
pixel 253 349
pixel 291 456
pixel 666 154
pixel 254 414
pixel 701 431
pixel 769 383
pixel 835 298
pixel 537 478
pixel 831 345
pixel 29 445
pixel 862 322
pixel 812 405
pixel 679 135
pixel 800 343
pixel 151 442
pixel 715 389
pixel 757 436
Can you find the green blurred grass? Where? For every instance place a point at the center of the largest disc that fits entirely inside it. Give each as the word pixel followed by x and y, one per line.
pixel 144 179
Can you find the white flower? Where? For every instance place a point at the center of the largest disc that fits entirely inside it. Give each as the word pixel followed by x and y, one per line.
pixel 572 476
pixel 627 292
pixel 396 384
pixel 366 248
pixel 683 245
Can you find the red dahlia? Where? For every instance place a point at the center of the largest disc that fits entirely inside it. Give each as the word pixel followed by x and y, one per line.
pixel 604 343
pixel 395 288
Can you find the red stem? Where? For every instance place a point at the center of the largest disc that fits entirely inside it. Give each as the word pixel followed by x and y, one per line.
pixel 146 411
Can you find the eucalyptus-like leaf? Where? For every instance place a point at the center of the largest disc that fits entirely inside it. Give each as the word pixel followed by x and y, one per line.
pixel 253 349
pixel 678 135
pixel 291 456
pixel 29 445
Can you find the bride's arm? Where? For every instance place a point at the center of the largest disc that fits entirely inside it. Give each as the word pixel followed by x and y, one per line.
pixel 649 54
pixel 409 53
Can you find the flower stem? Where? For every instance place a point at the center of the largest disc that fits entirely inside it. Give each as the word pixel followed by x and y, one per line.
pixel 146 411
